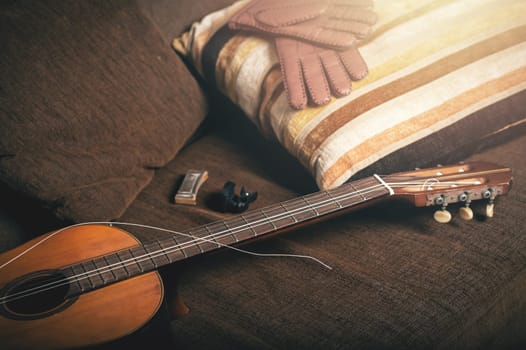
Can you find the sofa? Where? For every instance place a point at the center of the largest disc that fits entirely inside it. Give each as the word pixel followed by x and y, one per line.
pixel 102 118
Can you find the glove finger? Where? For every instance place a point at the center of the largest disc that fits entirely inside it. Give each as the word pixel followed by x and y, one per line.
pixel 291 72
pixel 291 13
pixel 339 81
pixel 354 64
pixel 315 80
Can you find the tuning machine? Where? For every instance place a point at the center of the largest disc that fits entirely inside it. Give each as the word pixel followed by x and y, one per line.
pixel 465 212
pixel 442 215
pixel 489 194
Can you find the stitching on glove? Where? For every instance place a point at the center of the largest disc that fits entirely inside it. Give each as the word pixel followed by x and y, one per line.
pixel 354 76
pixel 347 77
pixel 290 22
pixel 286 85
pixel 325 85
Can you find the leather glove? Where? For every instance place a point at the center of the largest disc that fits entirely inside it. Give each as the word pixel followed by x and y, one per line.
pixel 330 23
pixel 312 73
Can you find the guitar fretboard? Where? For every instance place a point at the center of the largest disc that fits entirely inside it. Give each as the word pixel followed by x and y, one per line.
pixel 127 263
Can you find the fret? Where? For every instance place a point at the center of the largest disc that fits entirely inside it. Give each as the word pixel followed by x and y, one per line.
pixel 195 245
pixel 75 275
pixel 353 195
pixel 173 253
pixel 221 233
pixel 179 247
pixel 259 221
pixel 274 227
pixel 334 200
pixel 79 274
pixel 130 262
pixel 94 275
pixel 288 213
pixel 143 259
pixel 117 266
pixel 358 192
pixel 84 272
pixel 197 242
pixel 324 203
pixel 105 273
pixel 278 216
pixel 225 239
pixel 203 241
pixel 316 213
pixel 301 212
pixel 160 254
pixel 115 277
pixel 124 257
pixel 74 286
pixel 295 209
pixel 249 225
pixel 240 227
pixel 154 252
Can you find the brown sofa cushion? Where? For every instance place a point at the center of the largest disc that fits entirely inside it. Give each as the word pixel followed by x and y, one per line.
pixel 92 100
pixel 399 280
pixel 173 17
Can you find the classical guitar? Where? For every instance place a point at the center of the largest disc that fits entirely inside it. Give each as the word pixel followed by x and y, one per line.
pixel 52 284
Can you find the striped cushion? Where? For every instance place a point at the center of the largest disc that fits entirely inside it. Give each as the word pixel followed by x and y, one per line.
pixel 443 74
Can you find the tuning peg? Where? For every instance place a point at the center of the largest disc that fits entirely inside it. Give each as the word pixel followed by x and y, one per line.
pixel 489 194
pixel 442 215
pixel 489 210
pixel 465 212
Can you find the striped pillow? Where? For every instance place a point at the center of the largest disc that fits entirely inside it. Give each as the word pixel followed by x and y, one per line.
pixel 443 74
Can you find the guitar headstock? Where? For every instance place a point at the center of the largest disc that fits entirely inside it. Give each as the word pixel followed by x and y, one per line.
pixel 461 183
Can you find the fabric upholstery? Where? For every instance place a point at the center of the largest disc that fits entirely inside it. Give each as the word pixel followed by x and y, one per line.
pixel 432 64
pixel 172 18
pixel 399 279
pixel 92 101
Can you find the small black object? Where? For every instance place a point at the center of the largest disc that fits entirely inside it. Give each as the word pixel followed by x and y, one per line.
pixel 233 203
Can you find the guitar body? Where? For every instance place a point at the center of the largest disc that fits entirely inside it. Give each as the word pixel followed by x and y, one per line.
pixel 93 318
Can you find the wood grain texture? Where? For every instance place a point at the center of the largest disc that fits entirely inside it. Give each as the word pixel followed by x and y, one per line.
pixel 96 317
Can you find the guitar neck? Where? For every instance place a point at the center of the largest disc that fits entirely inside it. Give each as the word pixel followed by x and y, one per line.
pixel 276 218
pixel 241 228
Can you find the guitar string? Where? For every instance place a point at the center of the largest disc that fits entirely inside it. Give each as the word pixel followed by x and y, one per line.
pixel 149 255
pixel 50 236
pixel 153 254
pixel 53 234
pixel 144 257
pixel 87 274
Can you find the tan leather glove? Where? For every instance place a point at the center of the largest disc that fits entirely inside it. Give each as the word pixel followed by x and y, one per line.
pixel 330 23
pixel 313 73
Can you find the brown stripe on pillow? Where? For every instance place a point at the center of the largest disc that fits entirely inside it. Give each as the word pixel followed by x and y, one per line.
pixel 211 52
pixel 376 97
pixel 272 88
pixel 442 146
pixel 421 122
pixel 224 59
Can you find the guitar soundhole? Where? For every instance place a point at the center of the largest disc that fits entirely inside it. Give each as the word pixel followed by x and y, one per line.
pixel 36 295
